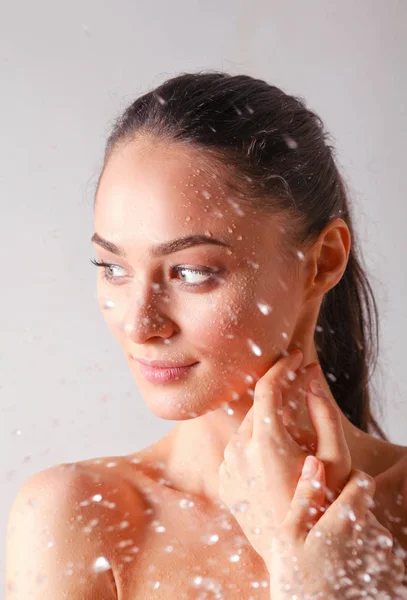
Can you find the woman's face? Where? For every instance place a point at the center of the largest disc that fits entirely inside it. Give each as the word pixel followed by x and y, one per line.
pixel 231 308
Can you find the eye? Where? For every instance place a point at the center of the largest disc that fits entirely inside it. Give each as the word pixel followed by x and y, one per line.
pixel 105 273
pixel 197 275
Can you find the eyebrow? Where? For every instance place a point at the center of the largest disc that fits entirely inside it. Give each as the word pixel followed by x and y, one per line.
pixel 162 249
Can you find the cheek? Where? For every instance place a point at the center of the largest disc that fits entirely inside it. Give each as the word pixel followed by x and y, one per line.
pixel 246 325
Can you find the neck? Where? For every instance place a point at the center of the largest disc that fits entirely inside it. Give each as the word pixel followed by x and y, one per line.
pixel 194 449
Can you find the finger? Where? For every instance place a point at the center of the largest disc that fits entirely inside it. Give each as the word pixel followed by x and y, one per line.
pixel 308 499
pixel 294 400
pixel 350 508
pixel 267 403
pixel 380 538
pixel 332 447
pixel 245 429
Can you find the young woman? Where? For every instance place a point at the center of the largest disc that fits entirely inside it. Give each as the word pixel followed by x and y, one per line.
pixel 225 243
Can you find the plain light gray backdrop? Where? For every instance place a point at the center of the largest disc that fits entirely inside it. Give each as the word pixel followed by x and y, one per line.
pixel 67 70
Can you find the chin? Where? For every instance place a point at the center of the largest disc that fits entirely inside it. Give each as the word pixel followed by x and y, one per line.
pixel 175 405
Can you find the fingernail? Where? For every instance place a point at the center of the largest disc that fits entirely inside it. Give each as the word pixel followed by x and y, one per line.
pixel 317 389
pixel 310 467
pixel 296 354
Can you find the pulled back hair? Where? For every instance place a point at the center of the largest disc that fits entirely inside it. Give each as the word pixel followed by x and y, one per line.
pixel 277 155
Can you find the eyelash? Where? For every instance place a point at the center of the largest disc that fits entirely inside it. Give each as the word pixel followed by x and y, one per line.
pixel 211 275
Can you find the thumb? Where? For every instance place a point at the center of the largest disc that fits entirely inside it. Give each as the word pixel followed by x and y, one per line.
pixel 308 499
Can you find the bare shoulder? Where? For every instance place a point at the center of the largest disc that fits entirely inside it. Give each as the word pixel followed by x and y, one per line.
pixel 64 531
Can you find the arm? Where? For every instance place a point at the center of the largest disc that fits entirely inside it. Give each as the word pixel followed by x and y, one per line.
pixel 51 546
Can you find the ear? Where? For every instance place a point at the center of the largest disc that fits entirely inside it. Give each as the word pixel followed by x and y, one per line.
pixel 328 258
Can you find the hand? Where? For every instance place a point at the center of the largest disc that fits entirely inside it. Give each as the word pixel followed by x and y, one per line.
pixel 338 554
pixel 280 514
pixel 263 462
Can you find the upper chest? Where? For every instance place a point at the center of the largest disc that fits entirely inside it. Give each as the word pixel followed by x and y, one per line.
pixel 185 552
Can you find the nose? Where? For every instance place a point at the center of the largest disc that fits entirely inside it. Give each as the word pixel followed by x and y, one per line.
pixel 147 315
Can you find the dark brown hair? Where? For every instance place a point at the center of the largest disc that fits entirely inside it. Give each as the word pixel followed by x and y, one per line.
pixel 277 154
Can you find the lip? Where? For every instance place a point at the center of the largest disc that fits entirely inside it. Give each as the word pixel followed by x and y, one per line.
pixel 163 375
pixel 161 364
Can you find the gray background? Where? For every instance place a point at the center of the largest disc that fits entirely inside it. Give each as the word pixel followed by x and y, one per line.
pixel 67 69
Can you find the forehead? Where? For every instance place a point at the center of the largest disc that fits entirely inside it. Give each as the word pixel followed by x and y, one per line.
pixel 152 192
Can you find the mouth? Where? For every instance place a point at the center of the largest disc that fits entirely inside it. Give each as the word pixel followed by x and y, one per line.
pixel 164 375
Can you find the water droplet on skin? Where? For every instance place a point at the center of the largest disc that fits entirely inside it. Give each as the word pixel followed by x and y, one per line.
pixel 284 335
pixel 319 328
pixel 228 409
pixel 211 539
pixel 108 304
pixel 236 207
pixel 240 507
pixel 101 564
pixel 253 265
pixel 291 375
pixel 234 558
pixel 384 541
pixel 124 524
pixel 169 548
pixel 264 308
pixel 206 194
pixel 185 503
pixel 267 420
pixel 316 484
pixel 254 348
pixel 187 218
pixel 155 585
pixel 300 255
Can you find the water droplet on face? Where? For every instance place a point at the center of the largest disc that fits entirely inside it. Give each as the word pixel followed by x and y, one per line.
pixel 206 194
pixel 124 524
pixel 97 497
pixel 284 335
pixel 254 348
pixel 300 255
pixel 236 207
pixel 108 304
pixel 101 564
pixel 185 503
pixel 253 265
pixel 210 539
pixel 234 558
pixel 316 484
pixel 264 308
